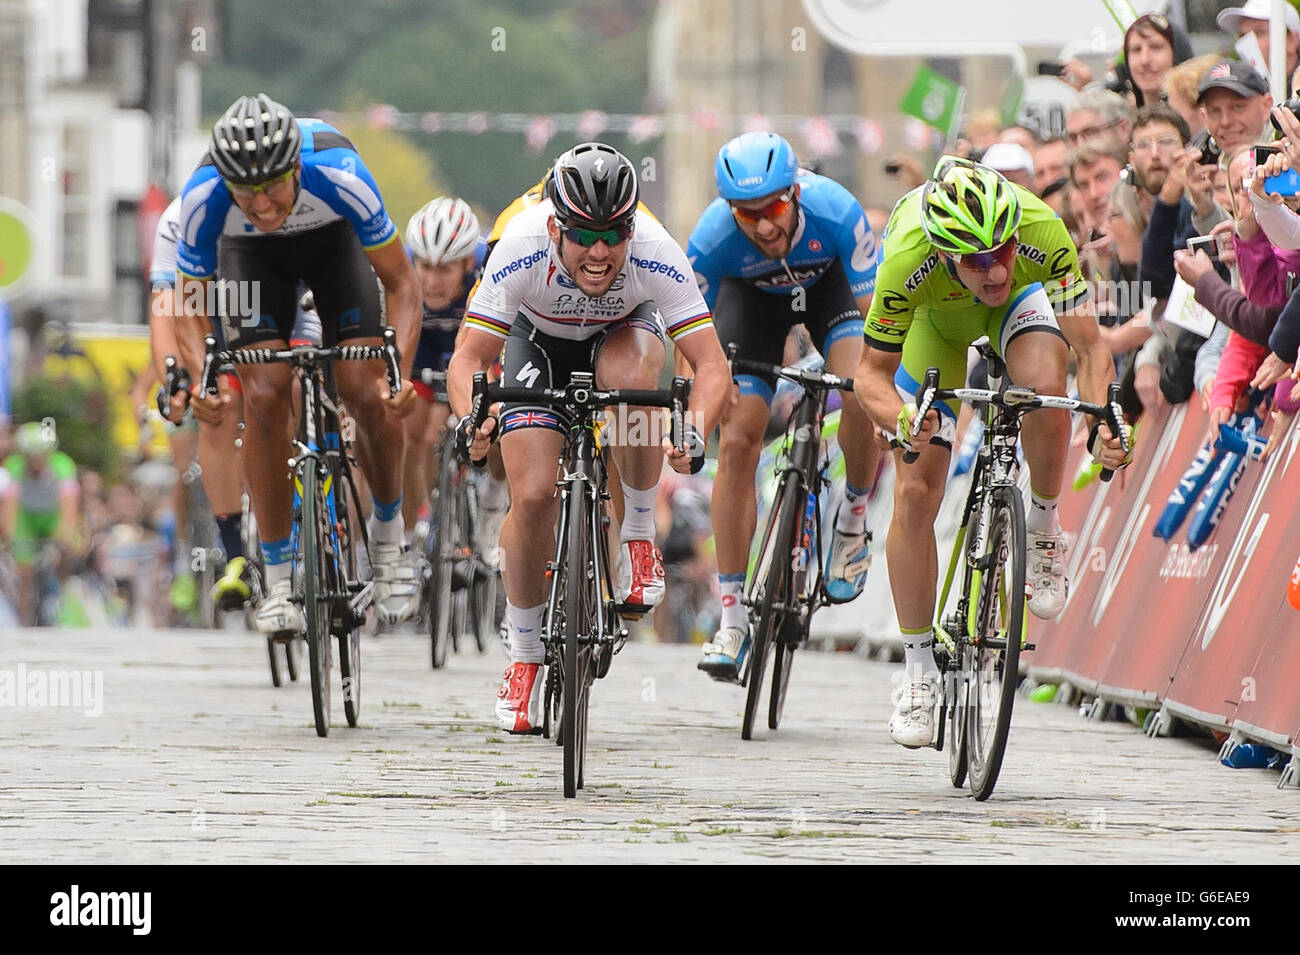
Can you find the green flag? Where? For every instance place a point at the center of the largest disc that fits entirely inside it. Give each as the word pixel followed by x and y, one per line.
pixel 1009 105
pixel 934 99
pixel 1122 11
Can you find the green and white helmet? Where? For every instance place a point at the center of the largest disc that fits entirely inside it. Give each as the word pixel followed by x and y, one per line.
pixel 966 207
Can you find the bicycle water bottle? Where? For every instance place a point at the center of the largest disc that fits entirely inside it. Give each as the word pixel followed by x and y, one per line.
pixel 964 460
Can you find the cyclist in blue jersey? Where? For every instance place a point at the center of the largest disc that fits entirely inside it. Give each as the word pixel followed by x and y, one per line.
pixel 278 201
pixel 445 245
pixel 781 247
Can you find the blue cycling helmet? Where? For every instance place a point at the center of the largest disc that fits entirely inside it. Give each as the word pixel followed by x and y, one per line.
pixel 754 165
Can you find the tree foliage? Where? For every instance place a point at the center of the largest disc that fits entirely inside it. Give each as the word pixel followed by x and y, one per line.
pixel 442 56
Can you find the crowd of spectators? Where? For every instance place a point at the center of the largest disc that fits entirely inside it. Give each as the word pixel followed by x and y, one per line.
pixel 1158 152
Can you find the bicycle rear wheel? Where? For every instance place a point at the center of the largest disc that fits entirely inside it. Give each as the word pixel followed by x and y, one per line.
pixel 348 629
pixel 441 557
pixel 782 661
pixel 275 661
pixel 768 591
pixel 994 658
pixel 316 586
pixel 582 604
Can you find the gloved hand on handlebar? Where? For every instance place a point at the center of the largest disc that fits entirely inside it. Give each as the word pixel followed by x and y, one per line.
pixel 472 446
pixel 903 436
pixel 1107 449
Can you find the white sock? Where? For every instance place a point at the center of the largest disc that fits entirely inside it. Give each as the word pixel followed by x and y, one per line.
pixel 638 514
pixel 918 653
pixel 852 516
pixel 276 573
pixel 1042 517
pixel 526 633
pixel 734 613
pixel 387 532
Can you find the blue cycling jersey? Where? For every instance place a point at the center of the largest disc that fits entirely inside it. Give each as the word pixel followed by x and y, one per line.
pixel 335 185
pixel 830 225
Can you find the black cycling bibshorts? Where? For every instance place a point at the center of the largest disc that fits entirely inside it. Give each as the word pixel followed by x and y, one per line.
pixel 758 322
pixel 535 360
pixel 329 259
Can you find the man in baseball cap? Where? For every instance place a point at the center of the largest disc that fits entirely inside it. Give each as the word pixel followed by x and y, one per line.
pixel 1013 161
pixel 1253 17
pixel 1235 101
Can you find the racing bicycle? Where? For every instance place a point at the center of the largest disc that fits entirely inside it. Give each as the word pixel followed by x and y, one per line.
pixel 329 536
pixel 978 643
pixel 583 627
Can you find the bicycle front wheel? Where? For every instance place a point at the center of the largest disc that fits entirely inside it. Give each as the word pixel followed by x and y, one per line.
pixel 312 526
pixel 994 653
pixel 581 606
pixel 769 595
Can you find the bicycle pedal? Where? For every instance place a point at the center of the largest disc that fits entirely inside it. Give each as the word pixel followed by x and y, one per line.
pixel 632 611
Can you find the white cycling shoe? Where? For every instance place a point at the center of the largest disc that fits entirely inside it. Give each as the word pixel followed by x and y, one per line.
pixel 1046 579
pixel 912 724
pixel 277 613
pixel 397 582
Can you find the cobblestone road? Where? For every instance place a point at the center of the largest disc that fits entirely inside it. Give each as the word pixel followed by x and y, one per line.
pixel 196 758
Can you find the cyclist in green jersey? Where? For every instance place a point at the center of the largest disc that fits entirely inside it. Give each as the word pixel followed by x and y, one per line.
pixel 965 255
pixel 40 505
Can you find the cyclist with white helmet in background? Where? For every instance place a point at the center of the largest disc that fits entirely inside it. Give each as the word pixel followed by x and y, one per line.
pixel 444 241
pixel 781 247
pixel 278 201
pixel 966 255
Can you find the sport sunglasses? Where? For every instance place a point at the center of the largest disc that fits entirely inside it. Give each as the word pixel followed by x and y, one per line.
pixel 771 211
pixel 983 261
pixel 589 237
pixel 247 192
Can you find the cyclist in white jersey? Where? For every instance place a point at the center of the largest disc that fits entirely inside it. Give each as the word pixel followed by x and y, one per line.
pixel 580 282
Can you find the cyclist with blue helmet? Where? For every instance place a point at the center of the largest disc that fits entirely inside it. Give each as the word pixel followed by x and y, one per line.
pixel 781 247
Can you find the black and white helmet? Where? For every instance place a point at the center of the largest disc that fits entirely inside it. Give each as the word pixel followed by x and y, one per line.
pixel 444 230
pixel 593 186
pixel 255 140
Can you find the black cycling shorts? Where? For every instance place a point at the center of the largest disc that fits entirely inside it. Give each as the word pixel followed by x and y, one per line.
pixel 535 360
pixel 759 322
pixel 329 259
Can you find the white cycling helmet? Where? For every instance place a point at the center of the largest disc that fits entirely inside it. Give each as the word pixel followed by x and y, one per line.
pixel 445 230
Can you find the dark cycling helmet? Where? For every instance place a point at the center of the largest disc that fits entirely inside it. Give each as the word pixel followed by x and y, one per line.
pixel 754 165
pixel 594 186
pixel 255 140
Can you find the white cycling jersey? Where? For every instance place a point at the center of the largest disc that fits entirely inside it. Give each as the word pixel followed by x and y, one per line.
pixel 526 277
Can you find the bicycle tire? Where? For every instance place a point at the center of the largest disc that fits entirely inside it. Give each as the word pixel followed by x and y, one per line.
pixel 782 661
pixel 771 577
pixel 315 579
pixel 440 598
pixel 349 630
pixel 483 580
pixel 958 762
pixel 581 605
pixel 994 670
pixel 275 661
pixel 291 651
